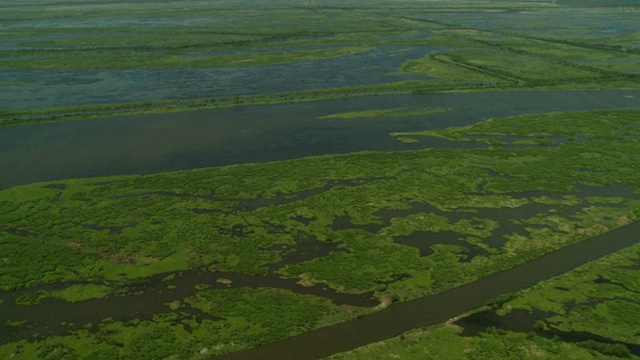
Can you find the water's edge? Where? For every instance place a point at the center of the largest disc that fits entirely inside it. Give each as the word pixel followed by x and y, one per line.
pixel 438 308
pixel 142 144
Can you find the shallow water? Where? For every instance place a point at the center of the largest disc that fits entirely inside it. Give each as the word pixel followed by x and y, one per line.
pixel 152 296
pixel 519 320
pixel 163 142
pixel 143 301
pixel 55 88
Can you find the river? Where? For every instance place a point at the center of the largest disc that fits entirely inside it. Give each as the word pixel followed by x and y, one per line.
pixel 139 144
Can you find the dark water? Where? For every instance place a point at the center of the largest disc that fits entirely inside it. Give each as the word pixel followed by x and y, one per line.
pixel 424 241
pixel 401 317
pixel 143 301
pixel 344 223
pixel 509 219
pixel 163 142
pixel 519 320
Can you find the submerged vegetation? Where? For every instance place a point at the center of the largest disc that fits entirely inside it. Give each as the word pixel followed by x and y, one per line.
pixel 203 262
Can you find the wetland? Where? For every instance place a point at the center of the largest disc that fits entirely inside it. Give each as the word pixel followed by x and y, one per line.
pixel 248 134
pixel 194 179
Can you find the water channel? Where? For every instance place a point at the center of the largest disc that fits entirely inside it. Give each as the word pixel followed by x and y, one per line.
pixel 163 142
pixel 404 316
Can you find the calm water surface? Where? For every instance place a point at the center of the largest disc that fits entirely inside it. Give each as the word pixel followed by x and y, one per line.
pixel 163 142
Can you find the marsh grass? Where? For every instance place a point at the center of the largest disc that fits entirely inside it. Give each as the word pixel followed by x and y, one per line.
pixel 126 60
pixel 184 240
pixel 45 238
pixel 58 237
pixel 599 298
pixel 396 112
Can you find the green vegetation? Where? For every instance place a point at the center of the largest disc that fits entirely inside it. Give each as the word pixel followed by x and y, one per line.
pixel 98 230
pixel 388 226
pixel 441 67
pixel 467 57
pixel 446 342
pixel 263 315
pixel 73 293
pixel 63 216
pixel 243 318
pixel 188 34
pixel 33 298
pixel 521 62
pixel 78 292
pixel 87 112
pixel 598 300
pixel 506 53
pixel 80 60
pixel 463 52
pixel 397 112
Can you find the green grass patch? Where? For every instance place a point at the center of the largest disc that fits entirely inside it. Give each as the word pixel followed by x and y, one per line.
pixel 443 68
pixel 126 60
pixel 76 293
pixel 396 112
pixel 599 297
pixel 570 297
